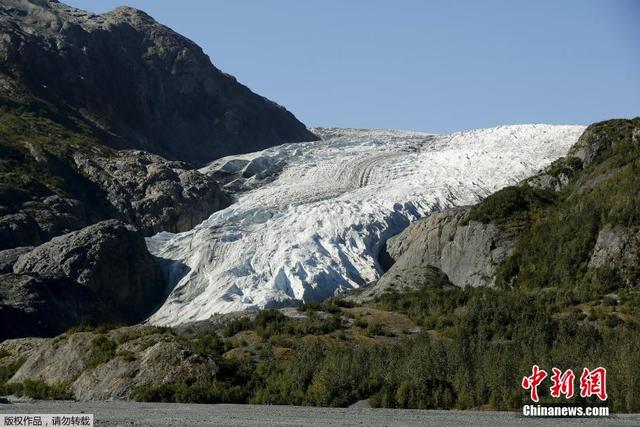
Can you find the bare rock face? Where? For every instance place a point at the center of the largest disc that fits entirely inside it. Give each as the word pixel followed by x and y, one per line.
pixel 103 271
pixel 443 249
pixel 467 253
pixel 139 188
pixel 549 182
pixel 152 193
pixel 9 257
pixel 618 249
pixel 82 94
pixel 147 86
pixel 598 139
pixel 38 220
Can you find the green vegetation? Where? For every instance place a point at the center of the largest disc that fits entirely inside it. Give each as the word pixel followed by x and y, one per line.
pixel 557 245
pixel 8 371
pixel 201 392
pixel 205 343
pixel 33 128
pixel 38 390
pixel 272 322
pixel 102 350
pixel 511 205
pixel 568 166
pixel 90 325
pixel 127 356
pixel 361 323
pixel 29 388
pixel 476 344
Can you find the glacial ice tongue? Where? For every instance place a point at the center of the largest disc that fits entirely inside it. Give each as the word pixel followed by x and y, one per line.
pixel 310 217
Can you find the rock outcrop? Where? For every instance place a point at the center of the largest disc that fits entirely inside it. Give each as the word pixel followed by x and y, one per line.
pixel 105 117
pixel 139 188
pixel 103 272
pixel 80 96
pixel 443 248
pixel 618 248
pixel 152 193
pixel 143 84
pixel 110 365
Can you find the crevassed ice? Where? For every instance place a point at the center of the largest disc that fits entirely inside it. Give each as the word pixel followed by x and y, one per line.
pixel 315 226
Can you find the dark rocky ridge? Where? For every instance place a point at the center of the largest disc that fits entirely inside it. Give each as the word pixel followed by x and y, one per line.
pixel 143 84
pixel 133 186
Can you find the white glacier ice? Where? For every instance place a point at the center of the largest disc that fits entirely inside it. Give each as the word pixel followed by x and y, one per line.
pixel 310 217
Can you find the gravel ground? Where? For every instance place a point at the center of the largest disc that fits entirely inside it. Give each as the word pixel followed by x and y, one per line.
pixel 162 414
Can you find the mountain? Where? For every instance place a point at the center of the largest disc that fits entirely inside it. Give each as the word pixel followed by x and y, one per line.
pixel 76 89
pixel 310 219
pixel 142 85
pixel 103 118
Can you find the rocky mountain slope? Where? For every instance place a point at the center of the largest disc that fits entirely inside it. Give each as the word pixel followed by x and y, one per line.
pixel 53 186
pixel 104 117
pixel 576 222
pixel 145 86
pixel 74 85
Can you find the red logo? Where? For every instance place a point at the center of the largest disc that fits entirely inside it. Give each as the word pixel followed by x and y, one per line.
pixel 562 383
pixel 592 383
pixel 534 381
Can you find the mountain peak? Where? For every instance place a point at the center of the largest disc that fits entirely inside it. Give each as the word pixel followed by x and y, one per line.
pixel 149 87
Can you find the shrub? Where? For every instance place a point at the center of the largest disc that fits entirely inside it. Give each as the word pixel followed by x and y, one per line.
pixel 38 390
pixel 511 205
pixel 9 370
pixel 102 350
pixel 127 356
pixel 361 323
pixel 199 392
pixel 90 325
pixel 375 329
pixel 206 343
pixel 237 325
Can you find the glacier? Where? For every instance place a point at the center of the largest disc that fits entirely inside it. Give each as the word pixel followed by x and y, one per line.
pixel 309 218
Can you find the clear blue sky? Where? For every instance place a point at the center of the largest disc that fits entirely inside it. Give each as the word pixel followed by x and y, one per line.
pixel 425 65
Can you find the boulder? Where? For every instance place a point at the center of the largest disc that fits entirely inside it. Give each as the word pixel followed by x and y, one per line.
pixel 103 272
